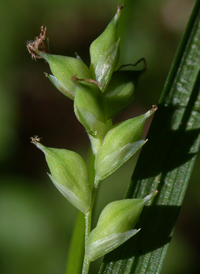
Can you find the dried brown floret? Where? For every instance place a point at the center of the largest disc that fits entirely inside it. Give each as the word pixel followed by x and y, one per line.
pixel 34 47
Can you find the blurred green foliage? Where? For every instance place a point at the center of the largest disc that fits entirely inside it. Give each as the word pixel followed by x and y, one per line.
pixel 36 221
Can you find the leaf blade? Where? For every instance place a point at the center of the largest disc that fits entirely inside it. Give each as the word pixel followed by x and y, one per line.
pixel 168 159
pixel 76 250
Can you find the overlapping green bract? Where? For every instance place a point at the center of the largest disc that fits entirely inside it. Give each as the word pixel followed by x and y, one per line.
pixel 121 91
pixel 104 52
pixel 121 142
pixel 63 68
pixel 69 175
pixel 88 107
pixel 115 226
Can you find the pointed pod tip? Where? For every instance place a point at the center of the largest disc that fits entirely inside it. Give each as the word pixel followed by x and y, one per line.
pixel 36 141
pixel 154 108
pixel 151 111
pixel 149 197
pixel 119 9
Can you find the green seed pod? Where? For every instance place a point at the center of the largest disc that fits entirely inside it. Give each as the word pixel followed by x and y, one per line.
pixel 121 142
pixel 121 91
pixel 88 107
pixel 115 226
pixel 63 68
pixel 106 66
pixel 104 52
pixel 69 175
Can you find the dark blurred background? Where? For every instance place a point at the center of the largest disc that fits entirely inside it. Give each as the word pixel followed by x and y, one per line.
pixel 35 220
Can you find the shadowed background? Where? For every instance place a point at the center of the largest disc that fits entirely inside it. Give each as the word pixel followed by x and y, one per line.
pixel 35 220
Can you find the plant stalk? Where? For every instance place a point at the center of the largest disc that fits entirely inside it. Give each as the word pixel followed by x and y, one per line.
pixel 88 220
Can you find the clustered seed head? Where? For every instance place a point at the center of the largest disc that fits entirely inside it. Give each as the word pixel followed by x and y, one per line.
pixel 100 92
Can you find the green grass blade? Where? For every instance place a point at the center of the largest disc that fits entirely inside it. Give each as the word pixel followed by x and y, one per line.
pixel 76 250
pixel 166 161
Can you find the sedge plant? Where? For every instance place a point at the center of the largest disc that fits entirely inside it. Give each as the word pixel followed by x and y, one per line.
pixel 99 92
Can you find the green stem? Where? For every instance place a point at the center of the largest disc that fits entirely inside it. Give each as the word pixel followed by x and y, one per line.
pixel 88 217
pixel 88 221
pixel 86 261
pixel 86 265
pixel 94 194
